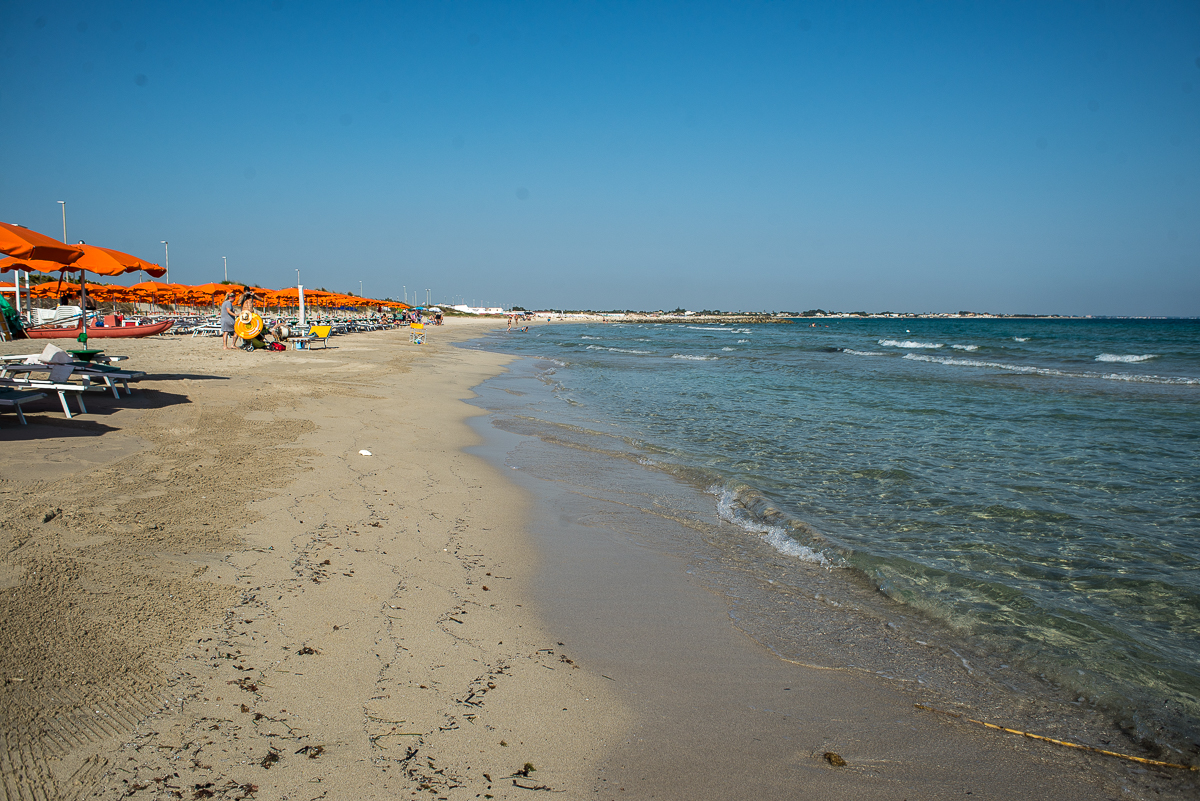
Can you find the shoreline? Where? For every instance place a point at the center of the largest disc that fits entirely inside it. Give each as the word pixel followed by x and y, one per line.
pixel 354 619
pixel 396 623
pixel 619 514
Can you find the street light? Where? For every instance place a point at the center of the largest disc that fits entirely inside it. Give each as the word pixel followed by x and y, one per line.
pixel 63 203
pixel 224 259
pixel 360 294
pixel 167 252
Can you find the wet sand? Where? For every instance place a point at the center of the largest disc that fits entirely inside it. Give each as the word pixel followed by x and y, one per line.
pixel 207 591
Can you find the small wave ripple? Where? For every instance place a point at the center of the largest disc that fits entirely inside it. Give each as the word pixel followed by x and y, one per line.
pixel 620 350
pixel 730 509
pixel 1050 371
pixel 693 358
pixel 1113 357
pixel 908 343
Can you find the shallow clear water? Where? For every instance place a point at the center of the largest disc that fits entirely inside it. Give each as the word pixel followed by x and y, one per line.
pixel 1034 486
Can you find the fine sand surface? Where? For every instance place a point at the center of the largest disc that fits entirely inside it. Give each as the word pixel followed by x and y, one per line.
pixel 207 591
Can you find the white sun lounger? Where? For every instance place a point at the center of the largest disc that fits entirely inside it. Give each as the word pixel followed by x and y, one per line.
pixel 60 388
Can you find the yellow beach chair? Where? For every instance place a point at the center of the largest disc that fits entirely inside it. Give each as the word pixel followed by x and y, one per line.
pixel 416 335
pixel 318 333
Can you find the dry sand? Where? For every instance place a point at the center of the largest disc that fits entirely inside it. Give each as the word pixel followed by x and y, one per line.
pixel 206 591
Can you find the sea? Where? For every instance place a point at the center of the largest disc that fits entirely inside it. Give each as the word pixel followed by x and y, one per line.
pixel 1020 496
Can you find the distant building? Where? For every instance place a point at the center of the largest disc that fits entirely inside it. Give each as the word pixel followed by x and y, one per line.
pixel 478 309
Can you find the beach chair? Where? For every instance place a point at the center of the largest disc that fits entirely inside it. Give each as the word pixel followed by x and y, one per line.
pixel 110 376
pixel 318 333
pixel 416 334
pixel 15 397
pixel 60 388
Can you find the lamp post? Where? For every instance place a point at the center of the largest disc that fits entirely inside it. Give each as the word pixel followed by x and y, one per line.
pixel 226 260
pixel 63 203
pixel 167 253
pixel 405 293
pixel 360 294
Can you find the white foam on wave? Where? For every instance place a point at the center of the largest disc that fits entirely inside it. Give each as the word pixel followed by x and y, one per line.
pixel 854 352
pixel 620 350
pixel 1049 371
pixel 710 328
pixel 743 341
pixel 1020 339
pixel 728 349
pixel 585 336
pixel 1112 357
pixel 965 347
pixel 774 536
pixel 692 358
pixel 908 343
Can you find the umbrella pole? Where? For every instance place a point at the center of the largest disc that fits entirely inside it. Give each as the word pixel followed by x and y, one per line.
pixel 83 305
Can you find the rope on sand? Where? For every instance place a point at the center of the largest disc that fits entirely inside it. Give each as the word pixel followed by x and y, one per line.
pixel 1093 749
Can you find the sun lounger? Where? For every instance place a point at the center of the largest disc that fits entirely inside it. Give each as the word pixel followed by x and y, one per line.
pixel 110 376
pixel 318 333
pixel 61 366
pixel 60 388
pixel 206 330
pixel 15 397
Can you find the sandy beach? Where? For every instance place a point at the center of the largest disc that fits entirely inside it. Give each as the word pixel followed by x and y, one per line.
pixel 208 590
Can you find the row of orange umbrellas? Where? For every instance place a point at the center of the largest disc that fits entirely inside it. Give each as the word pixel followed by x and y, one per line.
pixel 35 252
pixel 205 295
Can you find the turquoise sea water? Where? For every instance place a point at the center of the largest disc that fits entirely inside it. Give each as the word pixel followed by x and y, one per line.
pixel 1031 486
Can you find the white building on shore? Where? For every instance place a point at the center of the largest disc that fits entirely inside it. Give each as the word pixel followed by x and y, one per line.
pixel 478 309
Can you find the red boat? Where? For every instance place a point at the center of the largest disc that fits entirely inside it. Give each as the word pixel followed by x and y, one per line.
pixel 100 332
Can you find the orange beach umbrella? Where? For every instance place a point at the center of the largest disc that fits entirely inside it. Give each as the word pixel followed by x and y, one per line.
pixel 96 260
pixel 19 241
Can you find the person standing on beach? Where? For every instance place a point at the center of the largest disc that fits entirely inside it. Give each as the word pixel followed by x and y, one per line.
pixel 227 321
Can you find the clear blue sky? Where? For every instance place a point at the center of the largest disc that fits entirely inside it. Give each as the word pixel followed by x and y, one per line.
pixel 1040 156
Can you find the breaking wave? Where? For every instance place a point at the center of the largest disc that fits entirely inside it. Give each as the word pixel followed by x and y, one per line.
pixel 1112 357
pixel 1049 371
pixel 731 510
pixel 620 350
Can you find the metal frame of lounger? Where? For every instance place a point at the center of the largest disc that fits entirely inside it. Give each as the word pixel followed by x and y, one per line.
pixel 61 389
pixel 15 397
pixel 109 375
pixel 310 337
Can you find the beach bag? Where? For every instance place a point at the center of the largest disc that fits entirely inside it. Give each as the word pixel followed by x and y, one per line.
pixel 277 346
